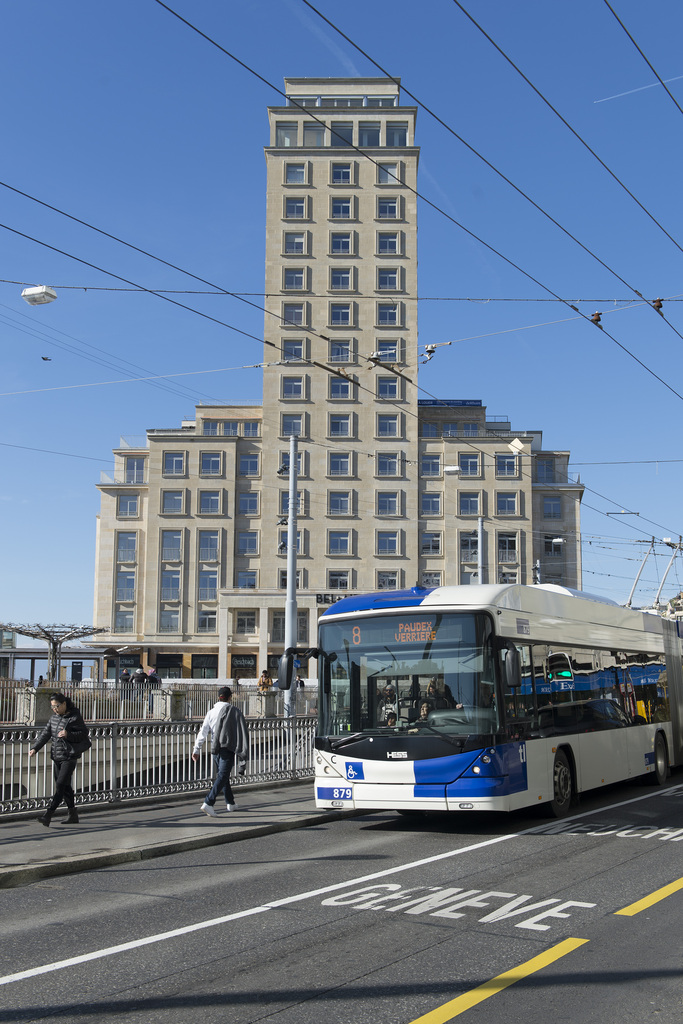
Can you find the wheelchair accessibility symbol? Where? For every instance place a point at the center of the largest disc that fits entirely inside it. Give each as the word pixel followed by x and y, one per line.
pixel 354 770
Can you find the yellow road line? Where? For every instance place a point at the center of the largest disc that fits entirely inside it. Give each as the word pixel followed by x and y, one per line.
pixel 468 999
pixel 648 901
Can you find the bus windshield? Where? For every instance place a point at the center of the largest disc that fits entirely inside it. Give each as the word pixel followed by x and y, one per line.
pixel 427 673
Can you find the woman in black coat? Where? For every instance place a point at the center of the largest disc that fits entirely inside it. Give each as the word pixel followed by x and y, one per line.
pixel 67 731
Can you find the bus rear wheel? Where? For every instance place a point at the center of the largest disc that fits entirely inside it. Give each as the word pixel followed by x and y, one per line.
pixel 659 776
pixel 563 786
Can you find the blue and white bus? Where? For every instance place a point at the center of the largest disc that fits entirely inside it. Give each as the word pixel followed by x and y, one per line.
pixel 492 698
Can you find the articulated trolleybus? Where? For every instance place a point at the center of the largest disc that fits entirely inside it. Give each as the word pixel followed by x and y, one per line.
pixel 491 698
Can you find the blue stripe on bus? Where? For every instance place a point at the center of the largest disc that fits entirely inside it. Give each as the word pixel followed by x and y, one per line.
pixel 504 773
pixel 384 599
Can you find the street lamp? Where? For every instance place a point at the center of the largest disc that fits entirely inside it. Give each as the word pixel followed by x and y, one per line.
pixel 38 295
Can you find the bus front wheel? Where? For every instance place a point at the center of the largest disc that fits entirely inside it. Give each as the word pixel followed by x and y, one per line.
pixel 563 786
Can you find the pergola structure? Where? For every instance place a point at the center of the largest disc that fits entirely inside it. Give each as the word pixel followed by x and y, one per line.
pixel 54 636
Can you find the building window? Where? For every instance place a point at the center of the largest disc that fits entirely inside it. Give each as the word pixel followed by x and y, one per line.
pixel 469 547
pixel 387 314
pixel 368 134
pixel 431 578
pixel 342 133
pixel 292 387
pixel 387 387
pixel 430 544
pixel 387 425
pixel 470 430
pixel 507 577
pixel 341 174
pixel 170 585
pixel 468 504
pixel 284 503
pixel 552 546
pixel 545 471
pixel 506 504
pixel 251 428
pixel 210 463
pixel 340 388
pixel 338 542
pixel 230 428
pixel 339 464
pixel 125 586
pixel 135 470
pixel 206 623
pixel 249 465
pixel 340 278
pixel 387 580
pixel 340 314
pixel 246 579
pixel 387 503
pixel 292 351
pixel 284 463
pixel 340 352
pixel 245 622
pixel 552 508
pixel 171 545
pixel 428 429
pixel 507 547
pixel 294 278
pixel 340 243
pixel 397 133
pixel 291 424
pixel 340 425
pixel 338 579
pixel 338 503
pixel 314 135
pixel 283 579
pixel 174 464
pixel 387 174
pixel 169 620
pixel 341 208
pixel 387 243
pixel 430 504
pixel 295 207
pixel 210 428
pixel 387 464
pixel 172 502
pixel 208 545
pixel 449 429
pixel 124 621
pixel 247 542
pixel 387 208
pixel 209 503
pixel 284 539
pixel 430 465
pixel 469 465
pixel 208 585
pixel 295 174
pixel 285 134
pixel 295 243
pixel 387 279
pixel 293 313
pixel 127 506
pixel 506 465
pixel 126 547
pixel 388 351
pixel 248 503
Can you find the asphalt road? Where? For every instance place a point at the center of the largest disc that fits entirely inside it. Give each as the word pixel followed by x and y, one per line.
pixel 381 918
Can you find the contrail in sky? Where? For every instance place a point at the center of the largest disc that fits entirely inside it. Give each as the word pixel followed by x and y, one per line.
pixel 642 87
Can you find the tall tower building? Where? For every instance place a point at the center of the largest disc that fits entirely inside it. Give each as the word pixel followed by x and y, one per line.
pixel 393 491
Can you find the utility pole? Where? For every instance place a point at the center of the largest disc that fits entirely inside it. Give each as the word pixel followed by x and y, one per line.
pixel 290 602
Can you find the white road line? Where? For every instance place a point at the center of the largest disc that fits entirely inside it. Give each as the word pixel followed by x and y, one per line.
pixel 99 954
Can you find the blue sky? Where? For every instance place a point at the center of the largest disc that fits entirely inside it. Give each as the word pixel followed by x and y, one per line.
pixel 120 115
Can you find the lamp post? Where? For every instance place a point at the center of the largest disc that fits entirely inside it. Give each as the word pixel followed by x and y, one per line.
pixel 290 600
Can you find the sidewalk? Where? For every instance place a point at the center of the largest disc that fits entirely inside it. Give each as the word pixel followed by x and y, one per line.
pixel 120 833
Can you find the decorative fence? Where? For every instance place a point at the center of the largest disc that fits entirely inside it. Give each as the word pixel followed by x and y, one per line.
pixel 138 759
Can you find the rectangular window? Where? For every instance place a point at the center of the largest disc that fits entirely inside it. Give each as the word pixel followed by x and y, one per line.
pixel 507 547
pixel 245 622
pixel 340 314
pixel 368 134
pixel 340 278
pixel 469 465
pixel 545 471
pixel 172 502
pixel 430 465
pixel 338 542
pixel 125 585
pixel 387 279
pixel 247 542
pixel 209 503
pixel 342 133
pixel 397 133
pixel 340 464
pixel 169 620
pixel 428 429
pixel 338 579
pixel 552 546
pixel 387 425
pixel 340 352
pixel 295 174
pixel 285 134
pixel 210 463
pixel 430 504
pixel 314 135
pixel 387 503
pixel 387 542
pixel 506 504
pixel 470 430
pixel 293 313
pixel 292 387
pixel 208 545
pixel 251 428
pixel 387 208
pixel 295 207
pixel 249 465
pixel 339 503
pixel 208 585
pixel 552 508
pixel 126 545
pixel 340 388
pixel 388 351
pixel 387 314
pixel 294 278
pixel 135 470
pixel 431 578
pixel 127 506
pixel 387 387
pixel 230 428
pixel 283 579
pixel 341 174
pixel 171 545
pixel 341 208
pixel 387 464
pixel 340 243
pixel 468 504
pixel 210 428
pixel 248 503
pixel 469 547
pixel 246 579
pixel 340 425
pixel 124 621
pixel 387 580
pixel 295 242
pixel 284 463
pixel 170 585
pixel 292 351
pixel 387 174
pixel 387 242
pixel 449 429
pixel 506 465
pixel 291 425
pixel 430 544
pixel 206 623
pixel 174 463
pixel 284 503
pixel 282 545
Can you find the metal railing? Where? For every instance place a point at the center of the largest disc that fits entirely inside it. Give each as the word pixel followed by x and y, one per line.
pixel 140 760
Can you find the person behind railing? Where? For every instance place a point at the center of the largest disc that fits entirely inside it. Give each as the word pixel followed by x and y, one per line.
pixel 139 677
pixel 265 683
pixel 230 739
pixel 124 677
pixel 69 734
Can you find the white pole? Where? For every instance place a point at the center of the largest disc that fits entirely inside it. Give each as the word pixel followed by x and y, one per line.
pixel 290 603
pixel 480 549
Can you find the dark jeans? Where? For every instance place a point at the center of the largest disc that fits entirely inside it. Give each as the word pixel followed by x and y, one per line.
pixel 223 762
pixel 63 790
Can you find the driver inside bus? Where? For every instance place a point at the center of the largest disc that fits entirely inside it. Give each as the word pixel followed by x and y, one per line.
pixel 441 697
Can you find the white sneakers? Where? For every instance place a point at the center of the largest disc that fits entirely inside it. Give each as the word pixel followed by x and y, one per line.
pixel 208 809
pixel 231 807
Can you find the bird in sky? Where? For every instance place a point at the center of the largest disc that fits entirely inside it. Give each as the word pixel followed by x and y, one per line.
pixel 46 359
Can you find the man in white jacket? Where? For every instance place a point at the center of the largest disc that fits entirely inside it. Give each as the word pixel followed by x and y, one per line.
pixel 230 739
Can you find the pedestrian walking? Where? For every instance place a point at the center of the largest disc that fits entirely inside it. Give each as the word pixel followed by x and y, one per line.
pixel 230 739
pixel 69 735
pixel 124 677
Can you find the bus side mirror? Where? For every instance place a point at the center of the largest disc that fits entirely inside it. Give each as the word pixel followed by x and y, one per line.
pixel 327 675
pixel 285 671
pixel 512 667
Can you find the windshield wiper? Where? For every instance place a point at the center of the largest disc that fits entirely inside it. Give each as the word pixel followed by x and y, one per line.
pixel 344 740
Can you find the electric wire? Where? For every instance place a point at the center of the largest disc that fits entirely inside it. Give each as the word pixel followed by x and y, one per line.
pixel 652 69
